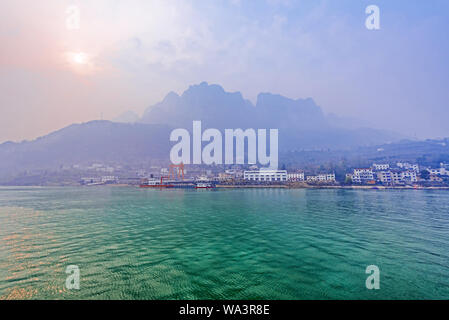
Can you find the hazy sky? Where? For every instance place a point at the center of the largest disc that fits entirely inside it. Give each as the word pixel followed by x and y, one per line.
pixel 127 55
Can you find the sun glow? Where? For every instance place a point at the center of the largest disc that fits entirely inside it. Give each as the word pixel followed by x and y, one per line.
pixel 80 62
pixel 80 58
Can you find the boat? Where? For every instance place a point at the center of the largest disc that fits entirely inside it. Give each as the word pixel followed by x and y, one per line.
pixel 154 183
pixel 183 185
pixel 204 185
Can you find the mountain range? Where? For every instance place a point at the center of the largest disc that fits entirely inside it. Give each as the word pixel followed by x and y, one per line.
pixel 301 123
pixel 302 126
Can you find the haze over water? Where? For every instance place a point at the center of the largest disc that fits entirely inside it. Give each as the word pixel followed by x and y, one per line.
pixel 225 244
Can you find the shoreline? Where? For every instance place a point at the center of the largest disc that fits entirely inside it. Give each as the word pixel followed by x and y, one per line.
pixel 279 186
pixel 375 187
pixel 238 186
pixel 335 187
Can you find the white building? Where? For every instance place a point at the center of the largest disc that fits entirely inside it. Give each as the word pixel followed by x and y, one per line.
pixel 363 175
pixel 265 175
pixel 329 177
pixel 109 179
pixel 385 177
pixel 397 177
pixel 439 171
pixel 408 166
pixel 381 167
pixel 296 176
pixel 409 176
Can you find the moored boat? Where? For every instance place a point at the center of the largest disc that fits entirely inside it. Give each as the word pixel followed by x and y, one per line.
pixel 204 185
pixel 154 183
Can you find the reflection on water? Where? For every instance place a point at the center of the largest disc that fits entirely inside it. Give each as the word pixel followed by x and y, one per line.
pixel 226 244
pixel 24 248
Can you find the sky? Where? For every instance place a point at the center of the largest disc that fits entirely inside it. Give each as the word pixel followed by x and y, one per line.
pixel 71 61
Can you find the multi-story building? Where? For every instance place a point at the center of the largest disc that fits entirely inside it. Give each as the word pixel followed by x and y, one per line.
pixel 363 175
pixel 381 167
pixel 295 176
pixel 313 179
pixel 435 178
pixel 385 177
pixel 396 177
pixel 265 175
pixel 409 176
pixel 327 177
pixel 408 166
pixel 439 171
pixel 393 177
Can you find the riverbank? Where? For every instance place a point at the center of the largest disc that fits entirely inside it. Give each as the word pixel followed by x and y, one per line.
pixel 307 186
pixel 237 186
pixel 378 187
pixel 242 186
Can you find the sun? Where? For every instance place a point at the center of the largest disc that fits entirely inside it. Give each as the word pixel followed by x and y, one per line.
pixel 80 62
pixel 80 58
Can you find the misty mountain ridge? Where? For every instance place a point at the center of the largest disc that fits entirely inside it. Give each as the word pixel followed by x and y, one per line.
pixel 217 108
pixel 301 122
pixel 302 126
